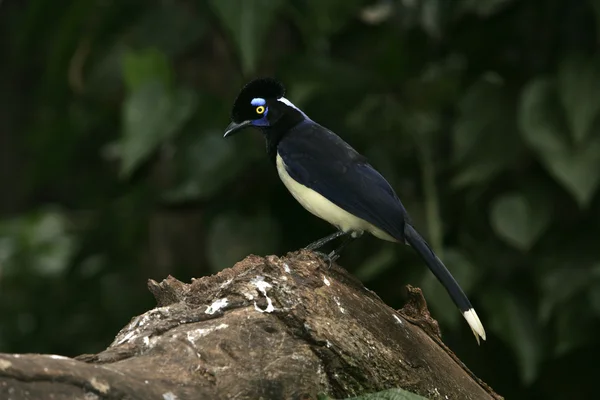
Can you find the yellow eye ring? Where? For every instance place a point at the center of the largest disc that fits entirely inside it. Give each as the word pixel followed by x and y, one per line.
pixel 260 110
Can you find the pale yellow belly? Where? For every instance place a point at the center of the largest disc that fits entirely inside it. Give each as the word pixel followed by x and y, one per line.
pixel 318 205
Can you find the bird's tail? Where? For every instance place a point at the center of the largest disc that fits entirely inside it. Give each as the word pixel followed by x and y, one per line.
pixel 445 277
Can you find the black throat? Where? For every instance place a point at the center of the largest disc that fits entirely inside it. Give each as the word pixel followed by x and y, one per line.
pixel 289 119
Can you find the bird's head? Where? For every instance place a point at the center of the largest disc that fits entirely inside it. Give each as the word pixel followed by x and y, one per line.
pixel 261 104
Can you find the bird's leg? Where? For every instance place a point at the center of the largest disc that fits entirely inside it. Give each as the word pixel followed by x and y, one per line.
pixel 335 254
pixel 323 241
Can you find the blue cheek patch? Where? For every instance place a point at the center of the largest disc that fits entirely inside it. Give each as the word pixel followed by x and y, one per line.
pixel 258 102
pixel 261 121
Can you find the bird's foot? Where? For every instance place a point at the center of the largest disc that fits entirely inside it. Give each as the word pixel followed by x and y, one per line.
pixel 328 258
pixel 325 257
pixel 333 256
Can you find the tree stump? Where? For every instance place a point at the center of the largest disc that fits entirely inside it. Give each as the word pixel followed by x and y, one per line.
pixel 267 328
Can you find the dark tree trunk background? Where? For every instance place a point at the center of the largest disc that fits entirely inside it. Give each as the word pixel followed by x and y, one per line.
pixel 270 328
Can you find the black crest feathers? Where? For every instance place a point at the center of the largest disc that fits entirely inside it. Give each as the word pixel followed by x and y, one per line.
pixel 266 88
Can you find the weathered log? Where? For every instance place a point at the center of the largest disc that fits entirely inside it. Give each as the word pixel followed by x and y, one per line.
pixel 270 328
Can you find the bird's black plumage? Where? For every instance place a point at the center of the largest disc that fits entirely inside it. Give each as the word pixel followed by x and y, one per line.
pixel 333 181
pixel 319 159
pixel 262 87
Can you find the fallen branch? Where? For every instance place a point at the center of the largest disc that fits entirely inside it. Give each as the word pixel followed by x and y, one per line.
pixel 271 328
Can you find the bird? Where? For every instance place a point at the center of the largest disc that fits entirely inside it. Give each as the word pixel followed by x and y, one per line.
pixel 334 182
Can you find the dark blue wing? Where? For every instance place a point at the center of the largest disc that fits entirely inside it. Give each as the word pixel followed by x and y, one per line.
pixel 322 161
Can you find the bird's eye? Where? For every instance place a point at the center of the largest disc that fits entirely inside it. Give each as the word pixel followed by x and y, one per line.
pixel 260 110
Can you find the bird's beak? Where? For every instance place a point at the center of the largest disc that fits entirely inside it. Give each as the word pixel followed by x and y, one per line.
pixel 235 127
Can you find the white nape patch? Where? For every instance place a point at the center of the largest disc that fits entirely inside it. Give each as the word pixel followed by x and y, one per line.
pixel 398 320
pixel 290 104
pixel 475 324
pixel 262 287
pixel 286 268
pixel 326 281
pixel 318 205
pixel 216 305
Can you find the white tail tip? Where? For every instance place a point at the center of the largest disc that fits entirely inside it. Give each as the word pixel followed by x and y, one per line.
pixel 475 324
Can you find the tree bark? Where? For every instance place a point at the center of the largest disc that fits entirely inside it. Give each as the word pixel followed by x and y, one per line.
pixel 270 328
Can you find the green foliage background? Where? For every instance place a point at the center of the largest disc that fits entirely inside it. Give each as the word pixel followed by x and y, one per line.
pixel 483 114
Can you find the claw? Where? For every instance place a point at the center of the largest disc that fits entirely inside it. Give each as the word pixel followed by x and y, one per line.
pixel 326 257
pixel 333 256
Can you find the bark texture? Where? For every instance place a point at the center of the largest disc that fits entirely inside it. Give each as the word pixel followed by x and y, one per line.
pixel 268 328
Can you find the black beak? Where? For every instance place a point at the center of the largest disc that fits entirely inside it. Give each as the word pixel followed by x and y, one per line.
pixel 235 127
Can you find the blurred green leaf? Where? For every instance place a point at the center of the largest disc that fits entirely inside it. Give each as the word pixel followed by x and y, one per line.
pixel 376 264
pixel 595 4
pixel 105 76
pixel 594 297
pixel 478 113
pixel 485 136
pixel 477 173
pixel 341 77
pixel 207 163
pixel 438 85
pixel 47 234
pixel 518 221
pixel 560 285
pixel 166 30
pixel 579 94
pixel 574 329
pixel 247 22
pixel 576 168
pixel 39 240
pixel 146 66
pixel 514 322
pixel 433 17
pixel 171 27
pixel 321 19
pixel 231 237
pixel 377 13
pixel 152 114
pixel 391 394
pixel 483 8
